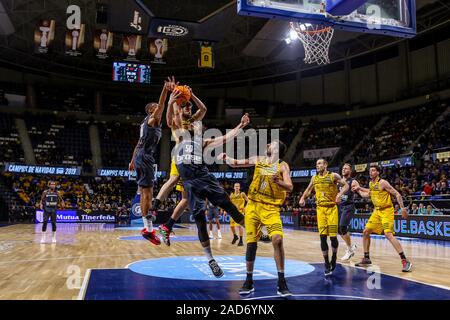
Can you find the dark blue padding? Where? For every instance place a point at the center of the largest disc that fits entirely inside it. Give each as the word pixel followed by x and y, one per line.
pixel 346 283
pixel 343 7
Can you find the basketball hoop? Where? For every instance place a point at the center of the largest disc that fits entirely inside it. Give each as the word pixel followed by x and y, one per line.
pixel 316 40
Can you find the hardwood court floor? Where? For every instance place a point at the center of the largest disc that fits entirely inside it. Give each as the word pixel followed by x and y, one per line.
pixel 30 270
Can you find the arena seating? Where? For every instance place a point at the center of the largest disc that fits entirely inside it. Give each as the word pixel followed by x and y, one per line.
pixel 398 133
pixel 60 142
pixel 118 141
pixel 10 145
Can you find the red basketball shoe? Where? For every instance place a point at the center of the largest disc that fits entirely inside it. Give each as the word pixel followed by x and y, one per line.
pixel 151 236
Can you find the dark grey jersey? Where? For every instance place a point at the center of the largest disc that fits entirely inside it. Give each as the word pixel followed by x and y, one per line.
pixel 148 139
pixel 189 160
pixel 50 201
pixel 347 198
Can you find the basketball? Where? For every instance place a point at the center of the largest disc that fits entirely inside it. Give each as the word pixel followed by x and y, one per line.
pixel 185 94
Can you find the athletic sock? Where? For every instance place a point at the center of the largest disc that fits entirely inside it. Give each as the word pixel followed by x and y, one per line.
pixel 402 255
pixel 144 219
pixel 334 257
pixel 325 257
pixel 208 253
pixel 366 255
pixel 156 204
pixel 249 276
pixel 280 276
pixel 170 224
pixel 149 219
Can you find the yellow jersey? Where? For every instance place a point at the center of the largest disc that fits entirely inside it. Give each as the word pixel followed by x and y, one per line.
pixel 326 190
pixel 380 198
pixel 262 188
pixel 238 200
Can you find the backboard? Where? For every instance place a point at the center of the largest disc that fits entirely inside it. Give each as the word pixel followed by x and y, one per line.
pixel 387 17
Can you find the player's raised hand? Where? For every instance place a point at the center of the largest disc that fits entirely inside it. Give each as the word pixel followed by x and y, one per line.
pixel 174 96
pixel 245 120
pixel 222 156
pixel 170 84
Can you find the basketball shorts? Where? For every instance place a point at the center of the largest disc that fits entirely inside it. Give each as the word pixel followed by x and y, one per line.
pixel 381 220
pixel 174 172
pixel 346 213
pixel 213 214
pixel 258 214
pixel 327 220
pixel 145 171
pixel 202 188
pixel 234 223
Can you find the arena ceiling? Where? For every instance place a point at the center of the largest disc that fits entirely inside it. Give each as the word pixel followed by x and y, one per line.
pixel 252 47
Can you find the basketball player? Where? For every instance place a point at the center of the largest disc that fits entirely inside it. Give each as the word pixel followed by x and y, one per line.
pixel 382 218
pixel 186 122
pixel 267 192
pixel 49 204
pixel 239 199
pixel 346 211
pixel 199 183
pixel 143 159
pixel 328 197
pixel 213 215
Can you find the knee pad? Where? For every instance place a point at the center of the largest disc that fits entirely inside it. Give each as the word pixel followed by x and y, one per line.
pixel 200 221
pixel 251 251
pixel 323 243
pixel 234 213
pixel 334 242
pixel 343 230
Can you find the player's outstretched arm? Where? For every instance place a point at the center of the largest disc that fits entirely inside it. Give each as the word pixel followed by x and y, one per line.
pixel 363 192
pixel 235 163
pixel 307 193
pixel 344 186
pixel 175 109
pixel 170 113
pixel 201 112
pixel 384 185
pixel 213 143
pixel 286 183
pixel 157 115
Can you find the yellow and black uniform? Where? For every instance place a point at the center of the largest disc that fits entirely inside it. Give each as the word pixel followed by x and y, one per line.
pixel 382 218
pixel 265 198
pixel 326 207
pixel 173 168
pixel 239 201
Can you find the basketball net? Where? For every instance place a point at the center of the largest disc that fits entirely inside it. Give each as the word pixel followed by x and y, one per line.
pixel 316 40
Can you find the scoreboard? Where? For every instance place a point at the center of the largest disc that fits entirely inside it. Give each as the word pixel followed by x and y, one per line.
pixel 131 72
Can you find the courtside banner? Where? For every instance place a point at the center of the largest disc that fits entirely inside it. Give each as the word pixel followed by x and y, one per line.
pixel 44 170
pixel 416 226
pixel 74 216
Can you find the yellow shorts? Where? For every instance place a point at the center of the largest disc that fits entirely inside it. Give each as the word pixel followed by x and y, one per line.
pixel 174 172
pixel 328 220
pixel 381 220
pixel 234 223
pixel 258 214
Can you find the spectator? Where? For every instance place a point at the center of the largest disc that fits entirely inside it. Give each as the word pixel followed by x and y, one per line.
pixel 414 209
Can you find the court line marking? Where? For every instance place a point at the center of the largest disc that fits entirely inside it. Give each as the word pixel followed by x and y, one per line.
pixel 313 295
pixel 78 257
pixel 408 279
pixel 82 293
